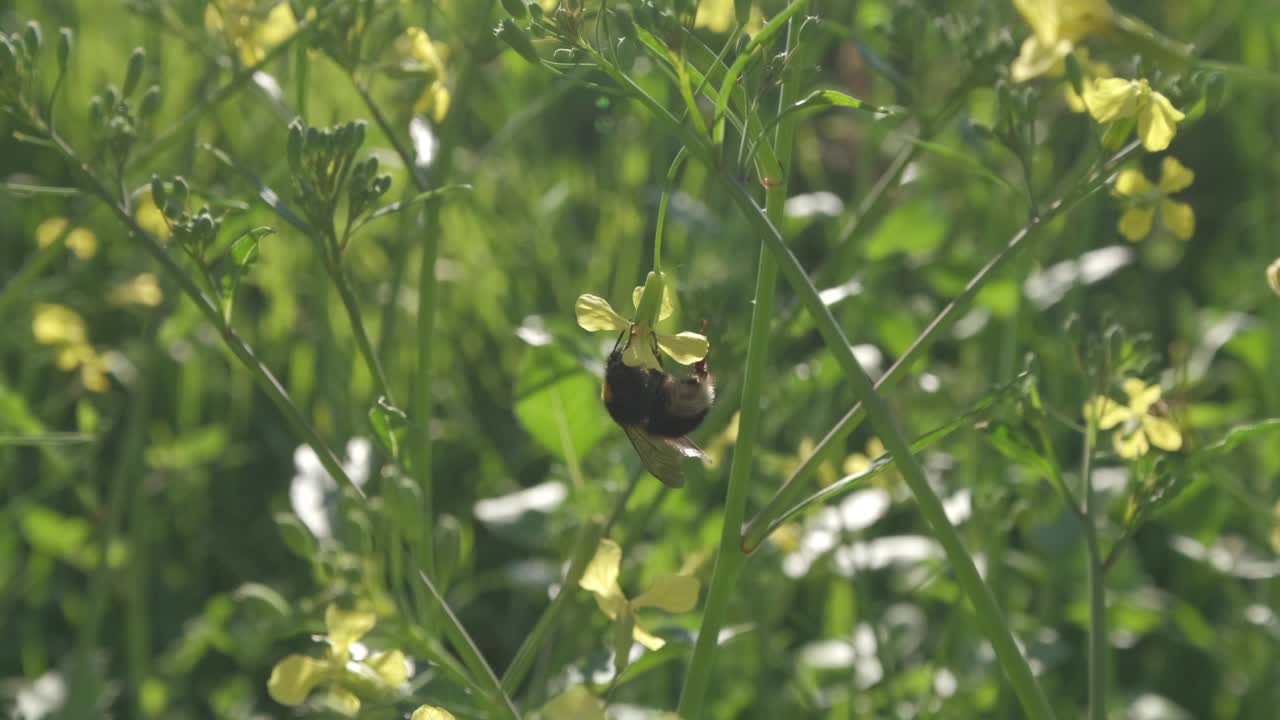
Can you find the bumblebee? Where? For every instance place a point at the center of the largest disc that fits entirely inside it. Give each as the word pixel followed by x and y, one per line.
pixel 657 410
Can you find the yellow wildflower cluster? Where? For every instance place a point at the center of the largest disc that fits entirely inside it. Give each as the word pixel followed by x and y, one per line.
pixel 82 242
pixel 63 328
pixel 428 57
pixel 1146 198
pixel 296 677
pixel 1136 427
pixel 673 592
pixel 253 27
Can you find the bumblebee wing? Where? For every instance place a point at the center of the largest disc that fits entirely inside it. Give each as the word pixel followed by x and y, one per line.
pixel 662 455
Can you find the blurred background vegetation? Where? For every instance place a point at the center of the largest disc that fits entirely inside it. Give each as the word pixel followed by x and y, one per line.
pixel 152 559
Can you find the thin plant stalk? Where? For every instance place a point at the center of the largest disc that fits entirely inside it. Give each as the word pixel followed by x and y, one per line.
pixel 1098 659
pixel 729 561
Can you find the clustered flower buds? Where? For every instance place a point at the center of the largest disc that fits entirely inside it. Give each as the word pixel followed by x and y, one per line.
pixel 324 166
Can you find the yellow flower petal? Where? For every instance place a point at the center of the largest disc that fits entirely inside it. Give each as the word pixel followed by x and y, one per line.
pixel 1157 122
pixel 1179 218
pixel 346 626
pixel 685 348
pixel 1037 58
pixel 390 667
pixel 664 311
pixel 1162 433
pixel 715 15
pixel 343 701
pixel 576 703
pixel 601 575
pixel 93 373
pixel 1273 276
pixel 50 230
pixel 1111 98
pixel 1130 446
pixel 1131 181
pixel 647 639
pixel 150 217
pixel 293 679
pixel 1106 411
pixel 430 712
pixel 1135 223
pixel 54 324
pixel 670 592
pixel 856 463
pixel 1141 395
pixel 1042 16
pixel 83 243
pixel 595 314
pixel 142 290
pixel 1174 176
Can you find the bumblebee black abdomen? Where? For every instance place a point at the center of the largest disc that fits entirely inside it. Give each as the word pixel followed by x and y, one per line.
pixel 628 391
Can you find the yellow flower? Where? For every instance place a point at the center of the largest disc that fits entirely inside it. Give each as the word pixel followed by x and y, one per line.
pixel 595 314
pixel 1115 98
pixel 151 218
pixel 294 678
pixel 62 327
pixel 82 242
pixel 672 592
pixel 1273 275
pixel 718 16
pixel 1177 217
pixel 253 27
pixel 1056 27
pixel 430 712
pixel 1137 429
pixel 826 472
pixel 428 57
pixel 142 290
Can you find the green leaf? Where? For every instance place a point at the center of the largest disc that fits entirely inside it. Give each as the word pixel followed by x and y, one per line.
pixel 50 532
pixel 296 536
pixel 197 447
pixel 916 227
pixel 558 403
pixel 1235 436
pixel 390 426
pixel 963 160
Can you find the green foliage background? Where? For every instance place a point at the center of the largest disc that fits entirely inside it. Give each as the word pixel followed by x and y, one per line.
pixel 208 582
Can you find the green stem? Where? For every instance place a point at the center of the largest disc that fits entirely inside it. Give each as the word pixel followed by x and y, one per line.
pixel 729 561
pixel 1098 660
pixel 338 272
pixel 84 689
pixel 672 175
pixel 471 657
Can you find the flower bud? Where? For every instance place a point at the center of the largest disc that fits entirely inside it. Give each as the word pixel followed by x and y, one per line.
pixel 8 57
pixel 515 36
pixel 157 191
pixel 32 38
pixel 110 98
pixel 150 101
pixel 178 198
pixel 65 41
pixel 134 71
